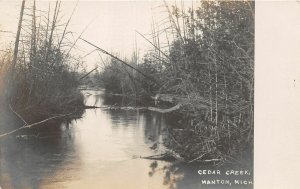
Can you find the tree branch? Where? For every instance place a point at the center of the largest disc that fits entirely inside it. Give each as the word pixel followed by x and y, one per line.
pixel 33 124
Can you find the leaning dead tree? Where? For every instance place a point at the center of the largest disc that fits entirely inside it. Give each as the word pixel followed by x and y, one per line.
pixel 123 62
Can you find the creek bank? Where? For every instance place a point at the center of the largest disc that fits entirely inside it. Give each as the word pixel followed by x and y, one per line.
pixel 192 135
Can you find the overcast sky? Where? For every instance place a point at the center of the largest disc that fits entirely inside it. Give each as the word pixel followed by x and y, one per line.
pixel 111 24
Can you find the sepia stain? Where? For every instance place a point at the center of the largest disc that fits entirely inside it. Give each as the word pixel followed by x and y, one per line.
pixel 294 83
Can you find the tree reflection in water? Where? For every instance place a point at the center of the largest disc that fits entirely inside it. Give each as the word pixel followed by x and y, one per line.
pixel 33 157
pixel 172 175
pixel 94 150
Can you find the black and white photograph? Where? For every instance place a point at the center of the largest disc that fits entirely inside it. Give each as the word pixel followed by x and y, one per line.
pixel 127 94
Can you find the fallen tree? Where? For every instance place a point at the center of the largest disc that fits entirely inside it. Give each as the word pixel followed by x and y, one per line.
pixel 174 108
pixel 160 110
pixel 27 126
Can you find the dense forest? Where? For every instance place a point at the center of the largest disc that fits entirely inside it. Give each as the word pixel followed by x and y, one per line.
pixel 206 71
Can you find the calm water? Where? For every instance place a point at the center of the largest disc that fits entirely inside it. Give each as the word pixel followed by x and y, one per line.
pixel 100 150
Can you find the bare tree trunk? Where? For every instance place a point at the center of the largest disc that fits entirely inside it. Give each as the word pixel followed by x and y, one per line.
pixel 38 31
pixel 251 110
pixel 210 92
pixel 17 41
pixel 193 32
pixel 216 98
pixel 158 43
pixel 153 36
pixel 64 33
pixel 178 25
pixel 33 36
pixel 48 22
pixel 173 22
pixel 226 103
pixel 52 29
pixel 185 33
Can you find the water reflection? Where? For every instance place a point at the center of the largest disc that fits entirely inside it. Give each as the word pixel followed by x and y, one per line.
pixel 101 150
pixel 29 162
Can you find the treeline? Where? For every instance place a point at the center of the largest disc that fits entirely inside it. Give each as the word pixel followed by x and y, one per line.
pixel 208 63
pixel 39 75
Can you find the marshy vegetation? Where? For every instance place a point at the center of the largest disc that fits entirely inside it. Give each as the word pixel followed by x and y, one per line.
pixel 202 63
pixel 205 66
pixel 39 76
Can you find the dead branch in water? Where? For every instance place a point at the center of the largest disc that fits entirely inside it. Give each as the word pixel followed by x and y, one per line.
pixel 164 157
pixel 165 110
pixel 92 107
pixel 34 124
pixel 198 157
